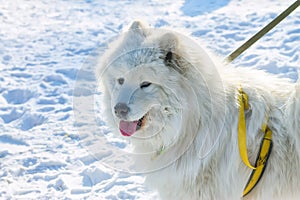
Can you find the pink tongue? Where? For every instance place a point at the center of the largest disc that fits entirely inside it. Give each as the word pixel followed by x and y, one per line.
pixel 128 128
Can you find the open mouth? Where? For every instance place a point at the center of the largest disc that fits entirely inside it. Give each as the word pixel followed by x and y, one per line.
pixel 128 128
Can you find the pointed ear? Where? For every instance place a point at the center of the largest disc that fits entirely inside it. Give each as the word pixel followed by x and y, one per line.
pixel 138 28
pixel 168 42
pixel 169 45
pixel 136 25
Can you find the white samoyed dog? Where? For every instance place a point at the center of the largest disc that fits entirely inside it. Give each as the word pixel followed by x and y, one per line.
pixel 179 108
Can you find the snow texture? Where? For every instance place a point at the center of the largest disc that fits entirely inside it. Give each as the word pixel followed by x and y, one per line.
pixel 47 47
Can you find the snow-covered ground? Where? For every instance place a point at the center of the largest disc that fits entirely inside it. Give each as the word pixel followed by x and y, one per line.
pixel 45 151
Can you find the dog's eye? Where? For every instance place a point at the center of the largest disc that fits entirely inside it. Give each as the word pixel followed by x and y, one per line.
pixel 145 84
pixel 121 81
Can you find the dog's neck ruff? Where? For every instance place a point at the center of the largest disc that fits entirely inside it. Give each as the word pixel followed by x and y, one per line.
pixel 265 147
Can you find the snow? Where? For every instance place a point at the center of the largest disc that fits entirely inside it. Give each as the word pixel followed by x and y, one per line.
pixel 47 54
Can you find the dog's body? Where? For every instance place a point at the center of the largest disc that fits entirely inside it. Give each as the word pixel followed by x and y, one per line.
pixel 161 87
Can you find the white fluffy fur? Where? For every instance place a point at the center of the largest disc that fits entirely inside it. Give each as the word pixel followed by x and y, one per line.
pixel 195 100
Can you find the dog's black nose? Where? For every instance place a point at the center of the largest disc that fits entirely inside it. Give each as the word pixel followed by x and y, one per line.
pixel 121 110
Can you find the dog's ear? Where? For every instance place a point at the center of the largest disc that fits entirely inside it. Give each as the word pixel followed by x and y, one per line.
pixel 168 42
pixel 138 27
pixel 169 45
pixel 134 35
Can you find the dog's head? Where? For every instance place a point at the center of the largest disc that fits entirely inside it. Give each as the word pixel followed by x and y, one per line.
pixel 150 92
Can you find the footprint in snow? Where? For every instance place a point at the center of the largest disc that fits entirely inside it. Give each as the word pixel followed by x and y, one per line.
pixel 18 96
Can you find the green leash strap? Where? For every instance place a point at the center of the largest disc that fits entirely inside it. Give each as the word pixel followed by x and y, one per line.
pixel 262 32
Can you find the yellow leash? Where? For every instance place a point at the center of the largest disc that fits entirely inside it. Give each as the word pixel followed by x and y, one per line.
pixel 242 135
pixel 265 147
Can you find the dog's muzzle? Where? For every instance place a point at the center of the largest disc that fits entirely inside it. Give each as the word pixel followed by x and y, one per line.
pixel 121 110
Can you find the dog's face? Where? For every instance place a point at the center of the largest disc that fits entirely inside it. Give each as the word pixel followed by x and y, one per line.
pixel 140 102
pixel 143 88
pixel 149 88
pixel 144 100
